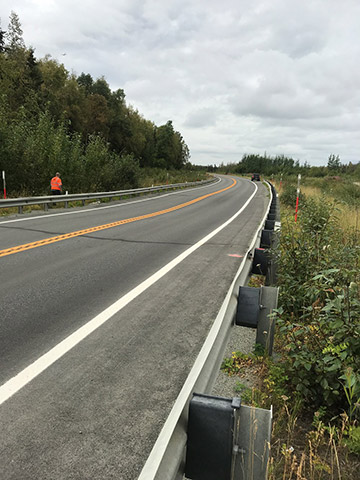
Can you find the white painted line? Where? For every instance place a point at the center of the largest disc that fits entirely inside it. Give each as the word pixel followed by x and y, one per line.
pixel 16 383
pixel 75 212
pixel 157 453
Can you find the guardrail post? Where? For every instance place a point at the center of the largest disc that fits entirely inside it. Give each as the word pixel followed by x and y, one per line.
pixel 266 325
pixel 271 274
pixel 20 209
pixel 253 444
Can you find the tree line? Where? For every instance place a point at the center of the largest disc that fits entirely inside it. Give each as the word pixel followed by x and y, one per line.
pixel 282 165
pixel 52 120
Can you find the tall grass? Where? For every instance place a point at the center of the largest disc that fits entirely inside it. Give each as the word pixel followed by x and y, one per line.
pixel 345 195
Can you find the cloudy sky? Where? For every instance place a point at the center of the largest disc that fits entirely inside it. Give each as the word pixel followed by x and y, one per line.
pixel 234 76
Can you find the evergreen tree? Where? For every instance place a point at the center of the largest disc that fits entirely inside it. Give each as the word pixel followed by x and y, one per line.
pixel 14 34
pixel 334 163
pixel 2 39
pixel 86 81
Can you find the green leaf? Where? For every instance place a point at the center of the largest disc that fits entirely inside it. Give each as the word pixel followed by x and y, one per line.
pixel 324 383
pixel 335 366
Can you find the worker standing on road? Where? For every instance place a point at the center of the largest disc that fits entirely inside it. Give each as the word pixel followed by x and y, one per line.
pixel 56 184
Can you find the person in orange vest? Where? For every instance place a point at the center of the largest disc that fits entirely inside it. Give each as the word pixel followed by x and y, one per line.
pixel 56 184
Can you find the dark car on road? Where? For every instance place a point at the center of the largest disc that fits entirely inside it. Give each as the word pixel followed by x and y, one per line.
pixel 255 177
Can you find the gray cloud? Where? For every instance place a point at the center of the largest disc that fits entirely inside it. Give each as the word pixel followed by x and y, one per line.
pixel 202 117
pixel 234 76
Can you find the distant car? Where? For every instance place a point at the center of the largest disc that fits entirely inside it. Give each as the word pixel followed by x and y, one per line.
pixel 255 177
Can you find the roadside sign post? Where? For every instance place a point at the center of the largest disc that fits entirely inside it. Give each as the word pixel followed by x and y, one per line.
pixel 3 177
pixel 297 197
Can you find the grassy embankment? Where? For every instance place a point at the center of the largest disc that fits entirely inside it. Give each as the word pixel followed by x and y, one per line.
pixel 313 379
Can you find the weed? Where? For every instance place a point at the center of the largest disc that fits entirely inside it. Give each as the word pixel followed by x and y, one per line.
pixel 317 347
pixel 256 281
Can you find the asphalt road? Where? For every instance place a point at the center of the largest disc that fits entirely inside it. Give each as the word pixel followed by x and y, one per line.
pixel 99 331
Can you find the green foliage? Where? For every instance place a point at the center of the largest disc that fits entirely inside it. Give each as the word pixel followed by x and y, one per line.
pixel 52 121
pixel 232 365
pixel 318 319
pixel 267 165
pixel 334 163
pixel 281 167
pixel 127 172
pixel 259 350
pixel 289 194
pixel 351 387
pixel 277 380
pixel 344 190
pixel 352 439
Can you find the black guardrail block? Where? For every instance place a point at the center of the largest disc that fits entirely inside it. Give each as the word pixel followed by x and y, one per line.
pixel 248 307
pixel 211 425
pixel 272 209
pixel 260 261
pixel 266 238
pixel 269 224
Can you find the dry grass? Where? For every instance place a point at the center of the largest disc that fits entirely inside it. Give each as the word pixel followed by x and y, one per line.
pixel 311 191
pixel 348 217
pixel 310 451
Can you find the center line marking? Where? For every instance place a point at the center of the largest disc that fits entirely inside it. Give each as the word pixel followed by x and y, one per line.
pixel 78 233
pixel 12 386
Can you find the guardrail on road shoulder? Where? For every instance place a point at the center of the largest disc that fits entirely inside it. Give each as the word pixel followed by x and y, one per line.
pixel 166 460
pixel 52 199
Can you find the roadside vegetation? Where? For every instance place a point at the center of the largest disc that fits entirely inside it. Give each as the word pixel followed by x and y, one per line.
pixel 313 378
pixel 53 120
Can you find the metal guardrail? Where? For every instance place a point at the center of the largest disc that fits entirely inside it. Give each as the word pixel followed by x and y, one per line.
pixel 52 199
pixel 166 460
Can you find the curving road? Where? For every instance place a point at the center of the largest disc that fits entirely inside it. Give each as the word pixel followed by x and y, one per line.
pixel 103 311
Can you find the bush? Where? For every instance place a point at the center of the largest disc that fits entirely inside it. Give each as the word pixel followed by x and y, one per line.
pixel 319 306
pixel 289 194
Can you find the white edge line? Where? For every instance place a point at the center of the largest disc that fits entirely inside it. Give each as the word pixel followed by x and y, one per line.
pixel 153 462
pixel 44 216
pixel 16 383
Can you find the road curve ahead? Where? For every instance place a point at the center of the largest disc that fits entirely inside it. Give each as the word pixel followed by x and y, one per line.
pixel 103 311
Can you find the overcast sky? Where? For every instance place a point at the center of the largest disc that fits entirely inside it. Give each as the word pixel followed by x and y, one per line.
pixel 234 76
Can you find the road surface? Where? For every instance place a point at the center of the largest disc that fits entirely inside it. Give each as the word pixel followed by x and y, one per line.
pixel 103 311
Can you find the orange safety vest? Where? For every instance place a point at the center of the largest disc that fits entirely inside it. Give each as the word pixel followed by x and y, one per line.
pixel 56 183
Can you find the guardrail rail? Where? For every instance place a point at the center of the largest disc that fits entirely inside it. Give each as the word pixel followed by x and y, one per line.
pixel 167 458
pixel 48 200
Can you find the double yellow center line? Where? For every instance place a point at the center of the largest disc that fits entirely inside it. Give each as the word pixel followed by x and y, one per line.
pixel 78 233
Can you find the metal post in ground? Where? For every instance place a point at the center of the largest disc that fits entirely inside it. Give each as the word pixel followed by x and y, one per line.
pixel 297 197
pixel 4 183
